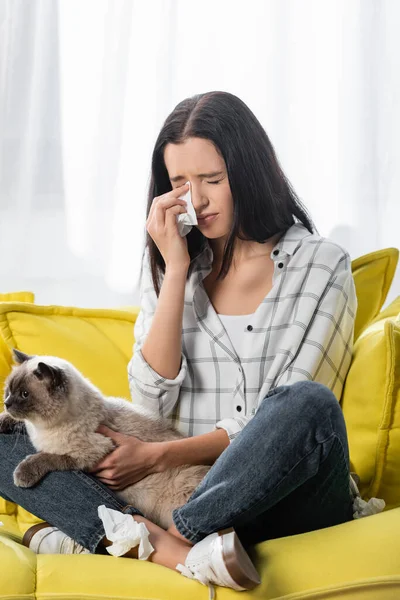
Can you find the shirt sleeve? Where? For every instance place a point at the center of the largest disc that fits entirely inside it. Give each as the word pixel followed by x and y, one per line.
pixel 148 388
pixel 325 352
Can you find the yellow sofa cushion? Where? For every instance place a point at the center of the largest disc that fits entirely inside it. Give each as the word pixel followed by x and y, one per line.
pixel 373 274
pixel 18 297
pixel 371 407
pixel 357 560
pixel 98 342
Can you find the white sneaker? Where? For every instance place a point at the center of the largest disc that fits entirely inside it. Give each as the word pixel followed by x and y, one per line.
pixel 220 559
pixel 45 539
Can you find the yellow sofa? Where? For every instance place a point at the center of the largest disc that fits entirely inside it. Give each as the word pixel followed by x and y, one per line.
pixel 356 560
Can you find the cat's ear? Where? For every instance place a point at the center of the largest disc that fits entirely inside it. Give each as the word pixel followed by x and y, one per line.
pixel 20 357
pixel 54 375
pixel 42 371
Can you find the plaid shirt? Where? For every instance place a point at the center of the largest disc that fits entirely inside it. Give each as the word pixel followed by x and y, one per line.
pixel 302 330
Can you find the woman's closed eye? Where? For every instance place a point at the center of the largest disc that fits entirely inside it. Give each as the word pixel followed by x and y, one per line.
pixel 214 182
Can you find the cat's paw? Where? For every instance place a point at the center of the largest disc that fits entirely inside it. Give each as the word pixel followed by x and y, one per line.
pixel 27 473
pixel 8 424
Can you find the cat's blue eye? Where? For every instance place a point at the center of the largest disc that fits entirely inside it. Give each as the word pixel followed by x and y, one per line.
pixel 25 394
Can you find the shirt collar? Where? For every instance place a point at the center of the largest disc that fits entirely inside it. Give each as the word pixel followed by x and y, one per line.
pixel 286 245
pixel 290 241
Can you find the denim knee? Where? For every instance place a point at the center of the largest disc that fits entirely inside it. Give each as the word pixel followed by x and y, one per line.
pixel 307 395
pixel 309 402
pixel 312 393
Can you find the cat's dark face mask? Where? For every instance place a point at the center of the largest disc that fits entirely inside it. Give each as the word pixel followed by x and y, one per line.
pixel 36 394
pixel 18 402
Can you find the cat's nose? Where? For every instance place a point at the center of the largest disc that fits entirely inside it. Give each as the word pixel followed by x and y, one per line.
pixel 8 401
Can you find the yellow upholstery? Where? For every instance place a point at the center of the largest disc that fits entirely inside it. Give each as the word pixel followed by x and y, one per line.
pixel 373 274
pixel 371 407
pixel 357 560
pixel 5 355
pixel 98 342
pixel 18 297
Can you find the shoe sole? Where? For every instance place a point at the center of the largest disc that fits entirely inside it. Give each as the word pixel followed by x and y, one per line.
pixel 237 561
pixel 29 533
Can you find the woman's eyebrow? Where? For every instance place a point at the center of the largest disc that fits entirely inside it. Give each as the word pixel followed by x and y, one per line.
pixel 179 177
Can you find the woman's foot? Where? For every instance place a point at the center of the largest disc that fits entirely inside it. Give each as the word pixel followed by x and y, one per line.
pixel 220 559
pixel 233 568
pixel 168 550
pixel 45 539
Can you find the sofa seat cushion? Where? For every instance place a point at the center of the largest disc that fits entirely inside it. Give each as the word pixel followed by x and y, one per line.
pixel 10 525
pixel 17 569
pixel 323 564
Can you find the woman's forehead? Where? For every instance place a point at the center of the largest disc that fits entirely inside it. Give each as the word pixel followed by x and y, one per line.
pixel 195 157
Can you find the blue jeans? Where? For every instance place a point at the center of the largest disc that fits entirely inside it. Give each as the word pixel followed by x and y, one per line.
pixel 286 473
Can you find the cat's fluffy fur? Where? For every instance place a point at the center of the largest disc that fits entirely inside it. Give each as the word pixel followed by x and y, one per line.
pixel 62 409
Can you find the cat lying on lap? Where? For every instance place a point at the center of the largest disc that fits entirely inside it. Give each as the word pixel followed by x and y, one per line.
pixel 62 409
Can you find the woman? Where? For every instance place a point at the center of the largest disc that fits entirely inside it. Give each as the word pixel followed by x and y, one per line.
pixel 244 340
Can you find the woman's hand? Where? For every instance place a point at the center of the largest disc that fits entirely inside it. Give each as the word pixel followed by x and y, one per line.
pixel 130 462
pixel 163 229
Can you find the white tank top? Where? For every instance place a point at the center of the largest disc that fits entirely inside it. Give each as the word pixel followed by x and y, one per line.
pixel 235 325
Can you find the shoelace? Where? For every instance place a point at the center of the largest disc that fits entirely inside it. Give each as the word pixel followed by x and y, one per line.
pixel 71 547
pixel 194 574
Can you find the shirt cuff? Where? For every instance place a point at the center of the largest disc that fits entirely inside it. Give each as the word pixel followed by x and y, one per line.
pixel 232 426
pixel 151 376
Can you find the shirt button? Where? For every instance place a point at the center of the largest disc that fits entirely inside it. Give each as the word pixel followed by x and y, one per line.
pixel 275 252
pixel 280 265
pixel 239 408
pixel 249 327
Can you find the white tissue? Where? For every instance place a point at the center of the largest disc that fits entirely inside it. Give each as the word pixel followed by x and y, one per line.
pixel 185 221
pixel 361 508
pixel 125 532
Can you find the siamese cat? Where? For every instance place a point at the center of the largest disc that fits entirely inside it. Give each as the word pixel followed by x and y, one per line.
pixel 62 409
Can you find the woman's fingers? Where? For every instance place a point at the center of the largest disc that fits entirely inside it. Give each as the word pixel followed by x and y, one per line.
pixel 162 227
pixel 170 215
pixel 107 474
pixel 107 481
pixel 163 205
pixel 166 217
pixel 167 200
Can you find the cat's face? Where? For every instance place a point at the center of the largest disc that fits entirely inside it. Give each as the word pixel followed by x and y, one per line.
pixel 36 390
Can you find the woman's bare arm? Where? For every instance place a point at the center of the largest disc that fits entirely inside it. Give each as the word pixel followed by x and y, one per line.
pixel 163 346
pixel 197 450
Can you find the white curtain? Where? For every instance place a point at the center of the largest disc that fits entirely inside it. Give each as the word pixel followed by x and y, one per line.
pixel 85 86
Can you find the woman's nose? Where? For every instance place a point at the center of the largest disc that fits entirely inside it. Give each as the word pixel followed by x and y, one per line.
pixel 198 200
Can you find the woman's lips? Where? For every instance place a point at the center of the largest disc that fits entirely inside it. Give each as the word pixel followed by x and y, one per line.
pixel 206 220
